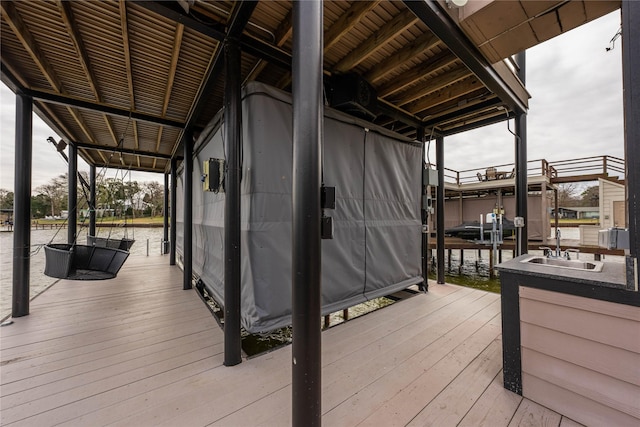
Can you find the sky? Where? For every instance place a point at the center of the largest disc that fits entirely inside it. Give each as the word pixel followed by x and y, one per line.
pixel 575 111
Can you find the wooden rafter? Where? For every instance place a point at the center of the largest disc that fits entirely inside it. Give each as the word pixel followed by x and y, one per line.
pixel 350 18
pixel 342 26
pixel 435 84
pixel 451 92
pixel 72 29
pixel 175 55
pixel 282 34
pixel 20 30
pixel 421 44
pixel 436 63
pixel 126 49
pixel 380 38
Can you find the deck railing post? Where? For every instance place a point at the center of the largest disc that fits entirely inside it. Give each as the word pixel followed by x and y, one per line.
pixel 306 213
pixel 172 226
pixel 72 206
pixel 22 206
pixel 232 250
pixel 188 210
pixel 440 209
pixel 521 188
pixel 92 200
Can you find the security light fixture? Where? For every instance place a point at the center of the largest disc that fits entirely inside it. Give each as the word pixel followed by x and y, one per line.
pixel 456 3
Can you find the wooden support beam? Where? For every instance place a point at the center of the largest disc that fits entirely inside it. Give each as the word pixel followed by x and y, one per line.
pixel 126 49
pixel 422 43
pixel 13 18
pixel 454 91
pixel 436 63
pixel 175 55
pixel 347 20
pixel 380 38
pixel 435 84
pixel 282 34
pixel 16 23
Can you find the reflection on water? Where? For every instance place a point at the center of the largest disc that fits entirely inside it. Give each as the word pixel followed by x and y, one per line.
pixel 38 281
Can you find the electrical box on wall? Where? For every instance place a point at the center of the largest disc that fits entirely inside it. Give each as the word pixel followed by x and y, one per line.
pixel 213 175
pixel 430 177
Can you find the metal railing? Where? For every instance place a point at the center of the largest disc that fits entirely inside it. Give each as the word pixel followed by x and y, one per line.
pixel 587 166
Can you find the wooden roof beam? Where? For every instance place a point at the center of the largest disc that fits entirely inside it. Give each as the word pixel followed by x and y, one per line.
pixel 126 50
pixel 443 95
pixel 175 55
pixel 436 63
pixel 432 15
pixel 282 34
pixel 435 84
pixel 347 20
pixel 380 38
pixel 421 44
pixel 72 29
pixel 18 26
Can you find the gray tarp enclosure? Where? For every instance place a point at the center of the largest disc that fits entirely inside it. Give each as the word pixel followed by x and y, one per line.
pixel 376 248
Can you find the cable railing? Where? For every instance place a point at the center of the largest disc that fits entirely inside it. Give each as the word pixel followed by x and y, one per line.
pixel 587 167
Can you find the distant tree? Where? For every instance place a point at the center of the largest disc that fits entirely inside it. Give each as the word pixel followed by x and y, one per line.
pixel 590 196
pixel 568 195
pixel 6 199
pixel 154 196
pixel 56 191
pixel 40 206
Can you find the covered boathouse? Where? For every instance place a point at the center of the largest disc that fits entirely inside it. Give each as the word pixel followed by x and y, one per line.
pixel 143 350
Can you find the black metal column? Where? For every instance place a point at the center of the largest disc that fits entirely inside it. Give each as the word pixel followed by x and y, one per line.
pixel 187 172
pixel 631 100
pixel 165 216
pixel 172 226
pixel 72 207
pixel 92 200
pixel 440 209
pixel 232 252
pixel 306 244
pixel 521 189
pixel 22 206
pixel 424 214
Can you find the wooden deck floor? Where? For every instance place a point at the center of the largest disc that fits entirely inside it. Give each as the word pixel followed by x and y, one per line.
pixel 140 351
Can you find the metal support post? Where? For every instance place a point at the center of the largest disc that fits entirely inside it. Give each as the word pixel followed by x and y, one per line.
pixel 232 250
pixel 72 206
pixel 165 216
pixel 172 226
pixel 440 209
pixel 22 206
pixel 521 188
pixel 425 214
pixel 92 200
pixel 306 244
pixel 631 101
pixel 188 209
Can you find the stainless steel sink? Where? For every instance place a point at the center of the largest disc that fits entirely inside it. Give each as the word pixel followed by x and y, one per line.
pixel 594 266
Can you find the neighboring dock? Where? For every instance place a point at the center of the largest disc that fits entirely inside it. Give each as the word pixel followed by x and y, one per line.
pixel 139 350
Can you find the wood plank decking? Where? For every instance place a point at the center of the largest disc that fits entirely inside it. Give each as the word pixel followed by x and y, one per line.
pixel 140 351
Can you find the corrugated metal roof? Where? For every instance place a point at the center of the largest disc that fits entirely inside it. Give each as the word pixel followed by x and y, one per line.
pixel 126 56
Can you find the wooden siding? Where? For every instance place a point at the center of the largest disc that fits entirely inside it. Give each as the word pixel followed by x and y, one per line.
pixel 589 234
pixel 139 350
pixel 581 356
pixel 609 193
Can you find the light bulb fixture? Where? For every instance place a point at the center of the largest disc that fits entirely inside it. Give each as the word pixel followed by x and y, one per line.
pixel 456 3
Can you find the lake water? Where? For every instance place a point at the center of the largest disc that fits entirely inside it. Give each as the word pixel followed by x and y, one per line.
pixel 39 238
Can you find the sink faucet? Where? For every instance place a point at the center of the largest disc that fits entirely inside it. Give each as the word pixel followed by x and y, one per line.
pixel 558 251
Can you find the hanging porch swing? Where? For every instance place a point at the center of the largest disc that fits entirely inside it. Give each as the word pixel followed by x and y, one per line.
pixel 102 258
